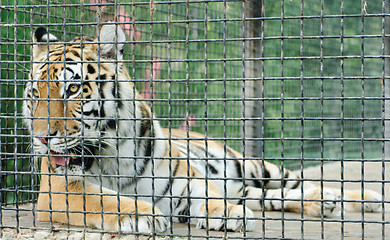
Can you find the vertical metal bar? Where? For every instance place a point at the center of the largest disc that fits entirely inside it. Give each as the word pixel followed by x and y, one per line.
pixel 134 115
pixel 342 116
pixel 363 2
pixel 385 6
pixel 263 85
pixel 117 157
pixel 48 122
pixel 187 15
pixel 302 120
pixel 15 57
pixel 65 134
pixel 205 113
pixel 5 194
pixel 243 101
pixel 282 113
pixel 170 116
pixel 3 180
pixel 99 126
pixel 34 161
pixel 82 115
pixel 386 82
pixel 224 119
pixel 322 114
pixel 153 8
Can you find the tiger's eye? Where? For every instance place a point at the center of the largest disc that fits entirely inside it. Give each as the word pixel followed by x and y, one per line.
pixel 73 88
pixel 35 92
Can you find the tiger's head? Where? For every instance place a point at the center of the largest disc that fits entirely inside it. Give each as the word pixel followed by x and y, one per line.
pixel 69 102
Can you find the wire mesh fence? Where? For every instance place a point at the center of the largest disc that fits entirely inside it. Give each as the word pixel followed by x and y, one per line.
pixel 100 131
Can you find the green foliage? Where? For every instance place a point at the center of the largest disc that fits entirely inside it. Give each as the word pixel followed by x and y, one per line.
pixel 319 74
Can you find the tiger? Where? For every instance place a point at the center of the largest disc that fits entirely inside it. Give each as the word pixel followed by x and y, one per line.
pixel 106 162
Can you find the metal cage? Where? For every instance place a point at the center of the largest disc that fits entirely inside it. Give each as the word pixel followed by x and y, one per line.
pixel 301 84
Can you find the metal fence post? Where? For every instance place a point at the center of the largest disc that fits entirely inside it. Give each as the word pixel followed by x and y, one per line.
pixel 253 88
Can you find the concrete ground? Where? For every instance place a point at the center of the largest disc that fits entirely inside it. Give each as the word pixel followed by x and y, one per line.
pixel 271 225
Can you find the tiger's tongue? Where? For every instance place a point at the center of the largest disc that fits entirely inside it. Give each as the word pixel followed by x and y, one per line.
pixel 59 160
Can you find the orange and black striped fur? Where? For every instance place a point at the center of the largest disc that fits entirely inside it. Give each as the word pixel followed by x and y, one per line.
pixel 107 163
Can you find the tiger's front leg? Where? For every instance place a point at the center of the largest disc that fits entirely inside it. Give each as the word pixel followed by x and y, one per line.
pixel 312 201
pixel 215 213
pixel 76 203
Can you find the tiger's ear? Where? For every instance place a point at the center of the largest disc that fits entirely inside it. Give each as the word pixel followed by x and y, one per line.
pixel 112 38
pixel 41 36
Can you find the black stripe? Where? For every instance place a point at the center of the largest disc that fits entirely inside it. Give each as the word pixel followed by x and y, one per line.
pixel 169 182
pixel 141 169
pixel 94 112
pixel 90 69
pixel 211 168
pixel 70 70
pixel 246 192
pixel 184 215
pixel 111 124
pixel 148 143
pixel 266 177
pixel 179 202
pixel 145 123
pixel 241 188
pixel 102 112
pixel 89 39
pixel 238 170
pixel 116 93
pixel 40 68
pixel 164 192
pixel 261 203
pixel 296 185
pixel 243 197
pixel 145 131
pixel 88 84
pixel 75 53
pixel 73 46
pixel 272 206
pixel 256 182
pixel 285 177
pixel 69 60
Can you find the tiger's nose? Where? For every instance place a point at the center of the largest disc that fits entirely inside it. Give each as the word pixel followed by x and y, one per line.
pixel 43 138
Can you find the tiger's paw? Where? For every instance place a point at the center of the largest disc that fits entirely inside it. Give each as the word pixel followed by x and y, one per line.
pixel 325 204
pixel 372 201
pixel 235 221
pixel 142 222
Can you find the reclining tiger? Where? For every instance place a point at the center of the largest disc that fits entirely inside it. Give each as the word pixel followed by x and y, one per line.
pixel 106 163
